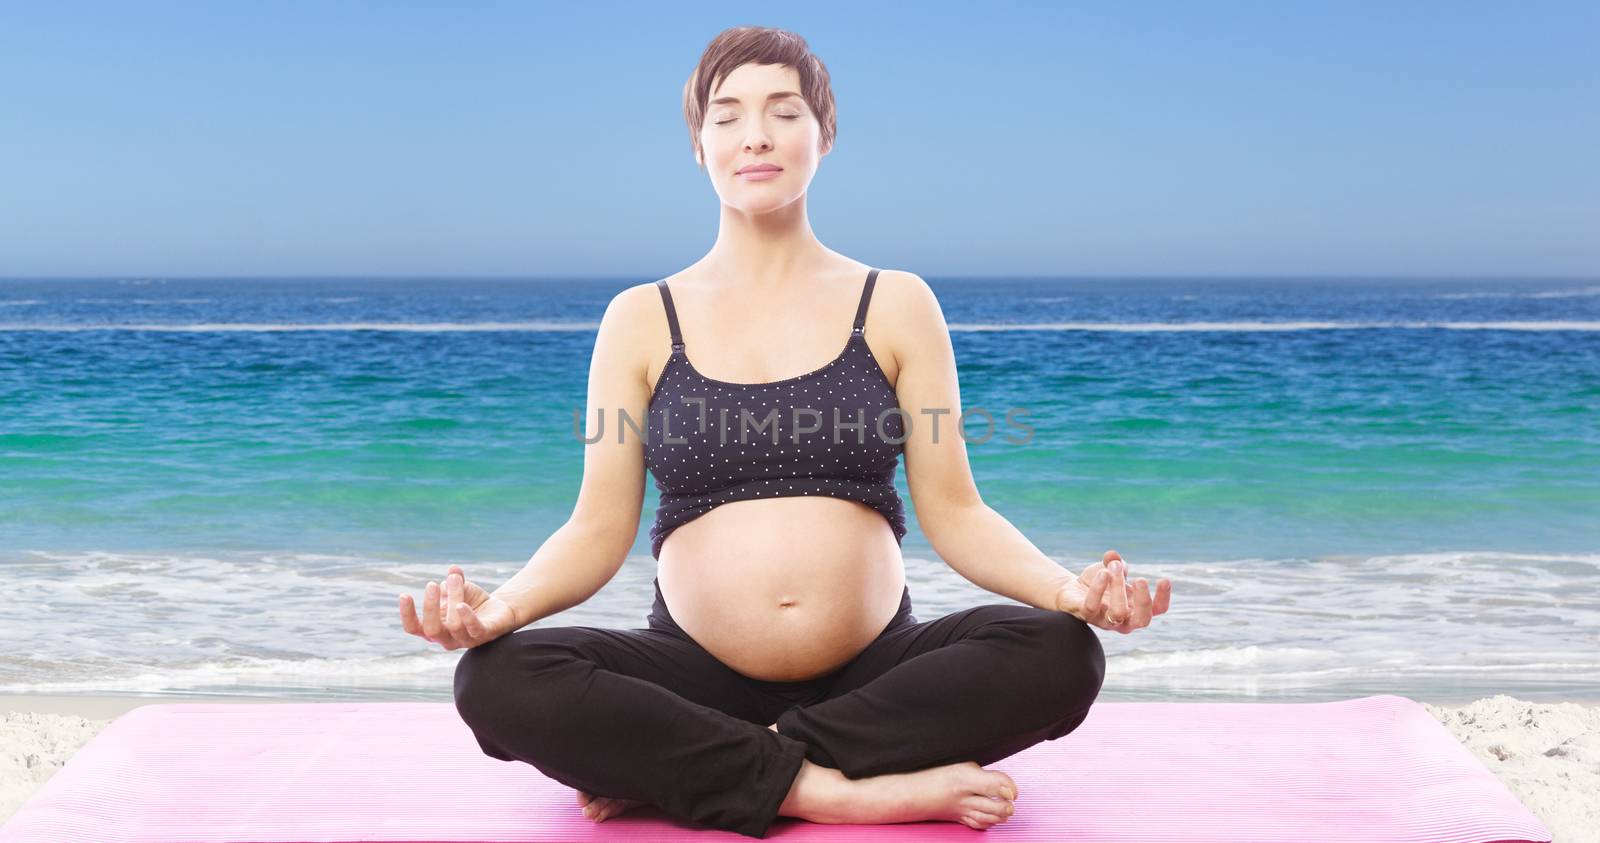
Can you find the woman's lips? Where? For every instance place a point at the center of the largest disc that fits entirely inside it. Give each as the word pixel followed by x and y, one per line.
pixel 760 175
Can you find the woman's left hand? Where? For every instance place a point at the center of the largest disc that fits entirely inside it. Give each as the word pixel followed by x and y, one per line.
pixel 1101 596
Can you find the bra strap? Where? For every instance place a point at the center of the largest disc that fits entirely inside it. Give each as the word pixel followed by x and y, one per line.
pixel 866 296
pixel 672 315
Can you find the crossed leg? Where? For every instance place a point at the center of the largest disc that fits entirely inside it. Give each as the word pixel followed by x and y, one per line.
pixel 979 684
pixel 934 699
pixel 637 714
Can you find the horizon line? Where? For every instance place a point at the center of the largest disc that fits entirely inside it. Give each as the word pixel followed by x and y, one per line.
pixel 1008 277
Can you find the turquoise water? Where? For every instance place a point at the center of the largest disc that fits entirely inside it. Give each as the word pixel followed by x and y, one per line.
pixel 1356 486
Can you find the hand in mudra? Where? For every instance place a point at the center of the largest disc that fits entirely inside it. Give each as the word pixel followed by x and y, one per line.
pixel 1103 597
pixel 458 615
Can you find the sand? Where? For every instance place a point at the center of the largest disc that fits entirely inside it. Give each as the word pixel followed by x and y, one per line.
pixel 1548 754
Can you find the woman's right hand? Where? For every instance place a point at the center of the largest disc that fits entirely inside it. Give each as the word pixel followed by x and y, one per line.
pixel 460 615
pixel 1102 597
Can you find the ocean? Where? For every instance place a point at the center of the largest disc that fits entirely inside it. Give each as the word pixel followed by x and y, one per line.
pixel 1357 486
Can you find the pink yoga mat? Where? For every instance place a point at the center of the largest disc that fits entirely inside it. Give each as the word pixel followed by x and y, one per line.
pixel 1373 769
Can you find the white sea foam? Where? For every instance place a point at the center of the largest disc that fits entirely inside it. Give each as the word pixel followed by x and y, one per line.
pixel 543 326
pixel 306 674
pixel 1582 292
pixel 219 327
pixel 324 623
pixel 143 301
pixel 1151 327
pixel 1251 656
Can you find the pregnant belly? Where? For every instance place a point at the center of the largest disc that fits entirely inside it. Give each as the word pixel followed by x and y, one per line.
pixel 783 589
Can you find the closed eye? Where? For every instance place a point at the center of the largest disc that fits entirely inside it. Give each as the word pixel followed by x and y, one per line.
pixel 784 116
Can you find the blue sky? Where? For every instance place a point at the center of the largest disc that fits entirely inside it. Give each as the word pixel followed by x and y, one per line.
pixel 526 139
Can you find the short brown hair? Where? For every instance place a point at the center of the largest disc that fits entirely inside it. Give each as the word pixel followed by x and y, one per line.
pixel 741 45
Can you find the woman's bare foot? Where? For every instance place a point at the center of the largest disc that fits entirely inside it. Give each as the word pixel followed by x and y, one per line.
pixel 962 792
pixel 602 808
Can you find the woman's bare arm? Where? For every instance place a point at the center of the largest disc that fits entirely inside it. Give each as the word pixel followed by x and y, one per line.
pixel 580 557
pixel 971 537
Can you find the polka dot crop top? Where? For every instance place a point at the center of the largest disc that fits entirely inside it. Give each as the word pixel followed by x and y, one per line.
pixel 836 431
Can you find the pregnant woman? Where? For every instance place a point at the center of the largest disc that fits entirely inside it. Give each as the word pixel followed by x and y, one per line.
pixel 771 388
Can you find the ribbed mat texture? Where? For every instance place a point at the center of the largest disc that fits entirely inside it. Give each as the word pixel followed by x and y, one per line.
pixel 1373 769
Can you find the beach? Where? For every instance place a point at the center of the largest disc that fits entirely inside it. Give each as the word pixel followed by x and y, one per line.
pixel 1547 754
pixel 1356 487
pixel 1301 319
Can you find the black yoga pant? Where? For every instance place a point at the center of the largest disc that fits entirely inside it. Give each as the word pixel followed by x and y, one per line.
pixel 648 714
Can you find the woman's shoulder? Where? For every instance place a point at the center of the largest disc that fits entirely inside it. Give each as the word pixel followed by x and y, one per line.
pixel 901 282
pixel 902 299
pixel 633 304
pixel 635 318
